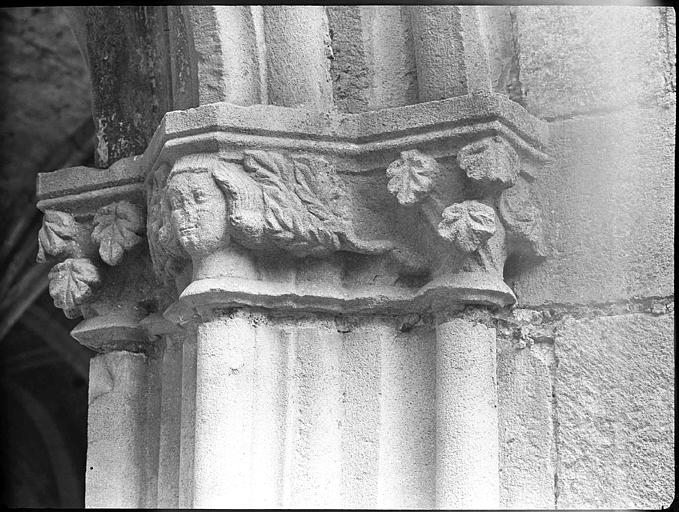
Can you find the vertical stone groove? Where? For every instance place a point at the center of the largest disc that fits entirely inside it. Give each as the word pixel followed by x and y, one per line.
pixel 188 420
pixel 515 87
pixel 170 424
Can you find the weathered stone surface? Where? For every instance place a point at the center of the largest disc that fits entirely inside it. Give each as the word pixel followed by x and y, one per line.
pixel 614 391
pixel 467 451
pixel 298 53
pixel 468 225
pixel 128 64
pixel 608 205
pixel 116 422
pixel 582 59
pixel 407 454
pixel 410 177
pixel 525 417
pixel 373 64
pixel 226 60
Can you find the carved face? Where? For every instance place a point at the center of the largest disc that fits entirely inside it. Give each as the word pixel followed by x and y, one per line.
pixel 198 212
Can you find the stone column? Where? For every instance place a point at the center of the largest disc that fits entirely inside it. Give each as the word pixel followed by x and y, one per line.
pixel 118 435
pixel 467 471
pixel 451 59
pixel 115 434
pixel 169 473
pixel 222 471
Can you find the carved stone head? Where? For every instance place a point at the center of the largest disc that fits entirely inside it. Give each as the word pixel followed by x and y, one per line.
pixel 198 207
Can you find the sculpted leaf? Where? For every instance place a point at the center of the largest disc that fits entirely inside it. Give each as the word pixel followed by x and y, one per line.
pixel 73 282
pixel 468 225
pixel 411 176
pixel 117 227
pixel 521 216
pixel 294 217
pixel 303 189
pixel 57 235
pixel 491 162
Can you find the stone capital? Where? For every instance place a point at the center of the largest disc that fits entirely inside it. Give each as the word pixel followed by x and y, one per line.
pixel 408 209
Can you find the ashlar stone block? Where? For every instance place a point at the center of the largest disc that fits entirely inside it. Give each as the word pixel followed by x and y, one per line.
pixel 579 59
pixel 614 390
pixel 608 204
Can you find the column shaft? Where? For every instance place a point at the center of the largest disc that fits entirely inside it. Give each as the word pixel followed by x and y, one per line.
pixel 116 431
pixel 451 59
pixel 222 468
pixel 467 472
pixel 298 51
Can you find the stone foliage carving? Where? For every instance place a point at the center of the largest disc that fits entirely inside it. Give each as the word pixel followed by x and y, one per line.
pixel 117 228
pixel 167 255
pixel 411 176
pixel 467 224
pixel 269 201
pixel 72 283
pixel 492 167
pixel 291 215
pixel 520 213
pixel 83 245
pixel 490 162
pixel 57 236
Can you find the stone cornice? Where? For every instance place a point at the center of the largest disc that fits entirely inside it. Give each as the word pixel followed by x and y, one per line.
pixel 227 128
pixel 215 126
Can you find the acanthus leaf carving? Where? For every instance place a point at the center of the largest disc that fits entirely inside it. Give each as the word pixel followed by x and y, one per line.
pixel 467 224
pixel 117 228
pixel 72 283
pixel 57 236
pixel 411 176
pixel 490 162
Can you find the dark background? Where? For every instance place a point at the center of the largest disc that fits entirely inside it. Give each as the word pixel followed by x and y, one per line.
pixel 46 124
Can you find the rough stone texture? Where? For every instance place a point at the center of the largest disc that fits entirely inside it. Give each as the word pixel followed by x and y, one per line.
pixel 128 66
pixel 582 59
pixel 298 56
pixel 615 412
pixel 170 424
pixel 225 37
pixel 373 63
pixel 450 54
pixel 527 450
pixel 407 478
pixel 498 37
pixel 608 201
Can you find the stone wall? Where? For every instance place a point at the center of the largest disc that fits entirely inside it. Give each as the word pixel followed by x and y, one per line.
pixel 604 78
